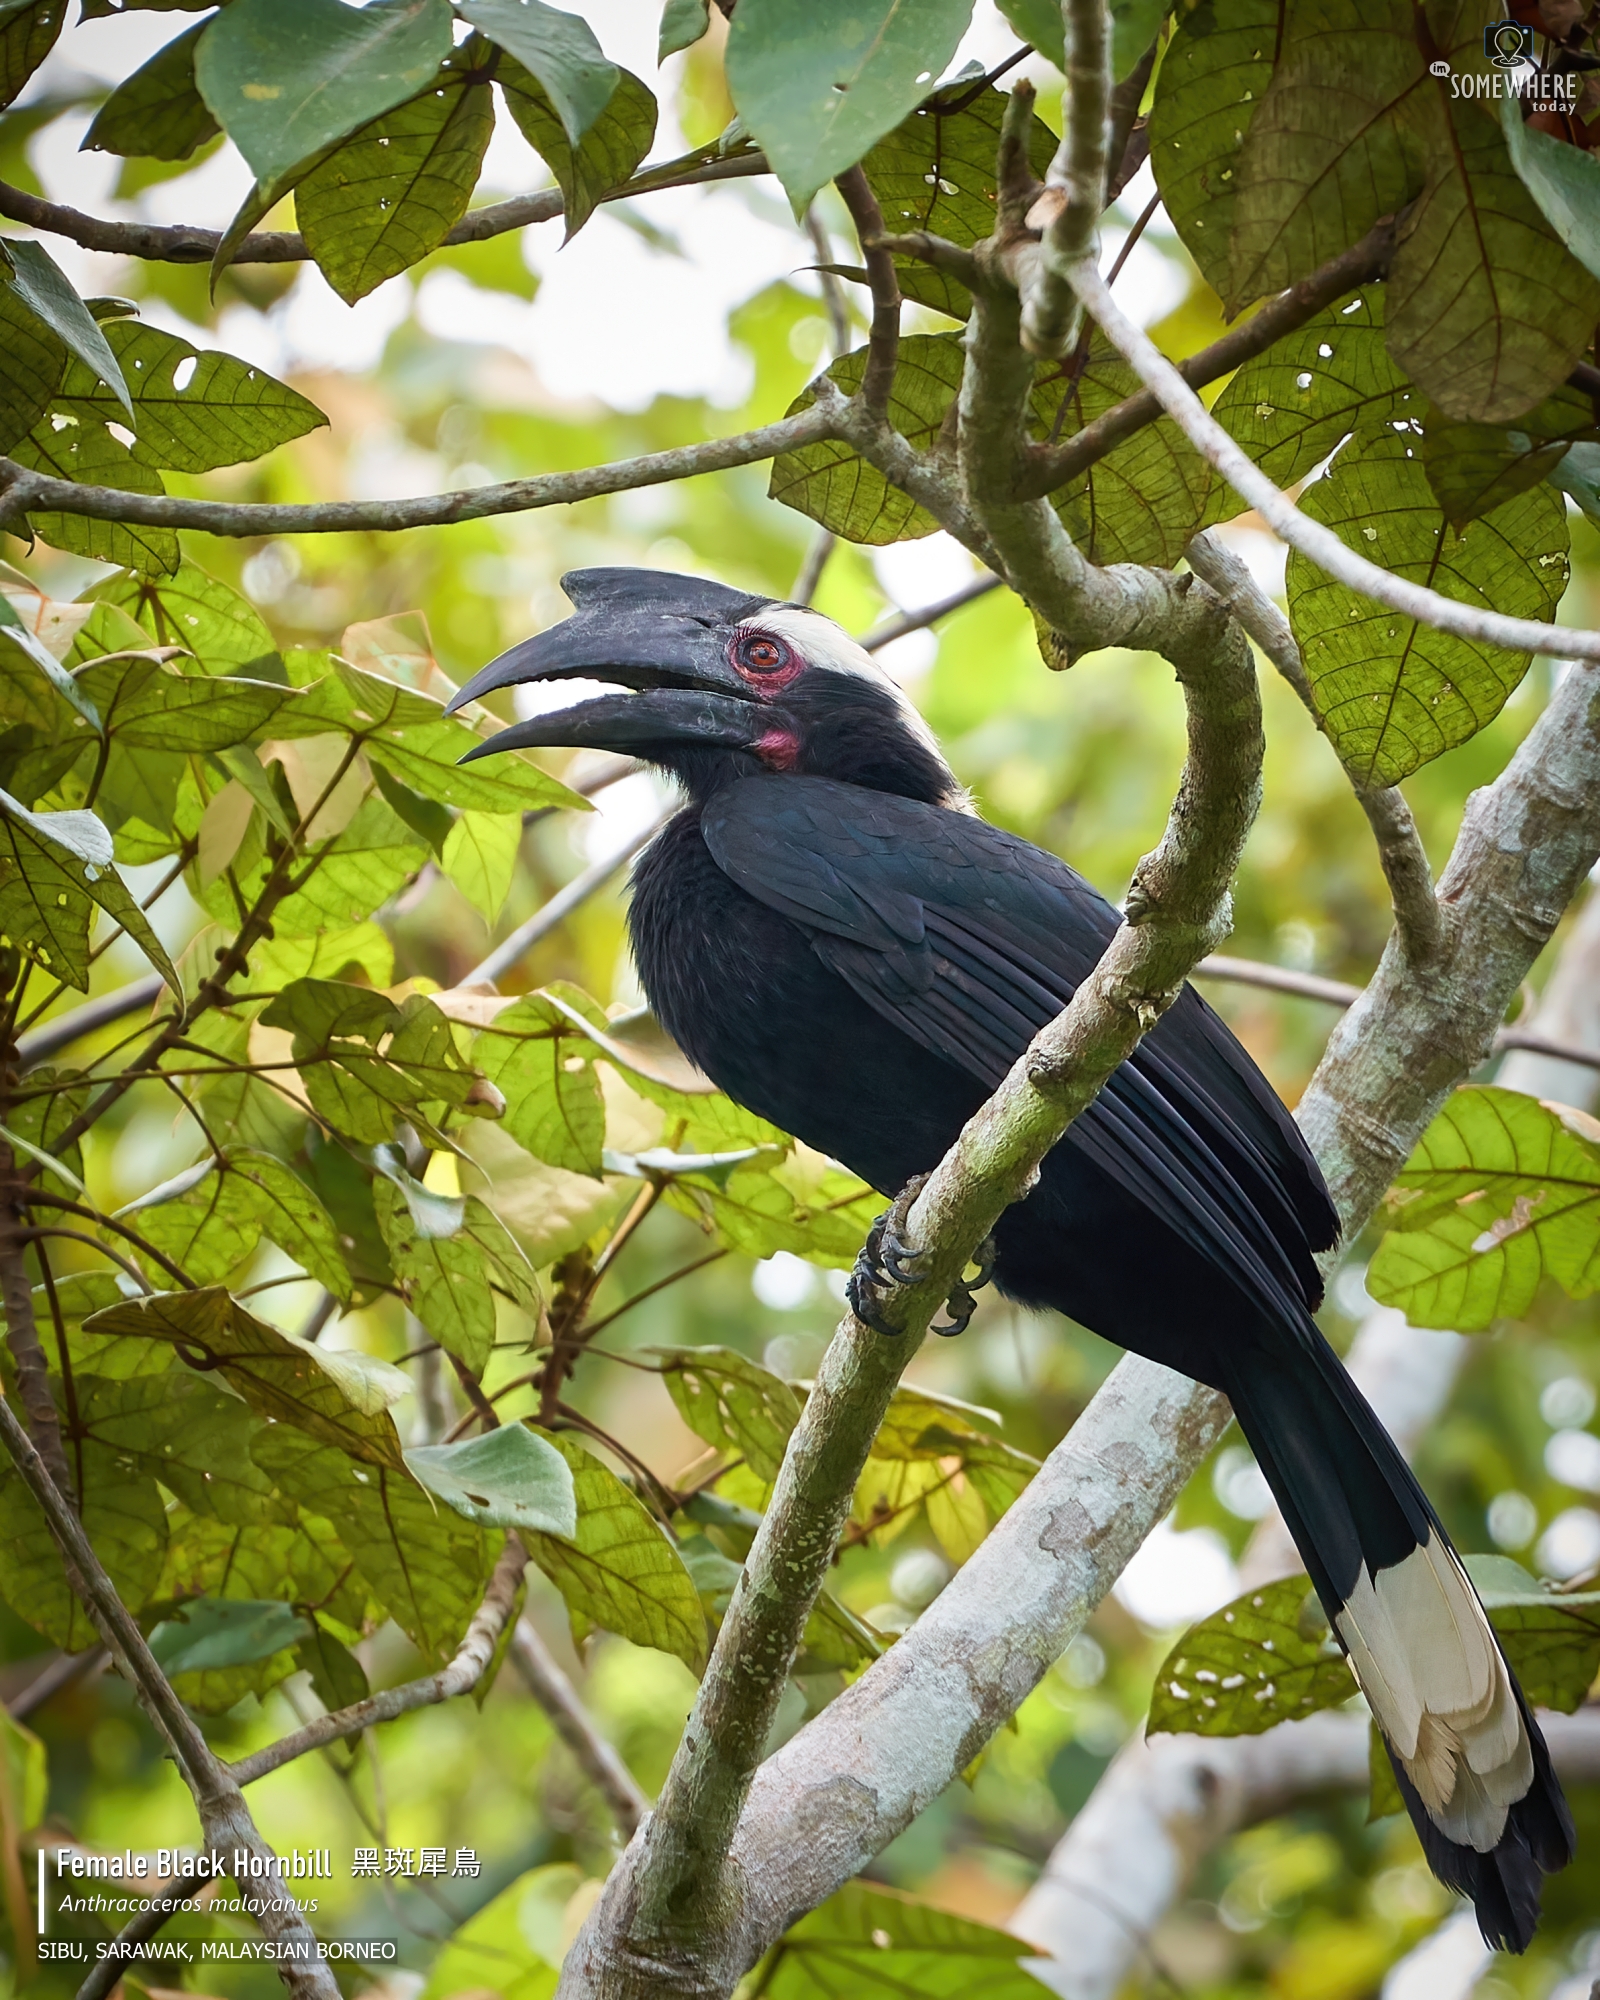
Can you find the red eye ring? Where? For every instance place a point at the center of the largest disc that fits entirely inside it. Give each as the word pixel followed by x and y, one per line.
pixel 760 656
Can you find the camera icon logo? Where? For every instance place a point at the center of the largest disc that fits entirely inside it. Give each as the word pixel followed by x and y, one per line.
pixel 1508 44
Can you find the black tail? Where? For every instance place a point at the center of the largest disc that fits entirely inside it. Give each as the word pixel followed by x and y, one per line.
pixel 1473 1767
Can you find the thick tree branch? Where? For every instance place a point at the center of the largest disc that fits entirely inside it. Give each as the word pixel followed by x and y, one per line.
pixel 22 489
pixel 1069 209
pixel 459 1677
pixel 22 1330
pixel 1311 538
pixel 225 1819
pixel 679 1914
pixel 593 1755
pixel 182 243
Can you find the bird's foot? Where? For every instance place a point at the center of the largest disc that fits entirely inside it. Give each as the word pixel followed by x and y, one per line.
pixel 888 1261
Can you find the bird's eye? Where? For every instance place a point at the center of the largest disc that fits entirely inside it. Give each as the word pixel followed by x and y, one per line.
pixel 756 653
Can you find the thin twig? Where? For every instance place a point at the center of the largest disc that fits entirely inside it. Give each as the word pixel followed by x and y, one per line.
pixel 594 1756
pixel 62 1671
pixel 883 341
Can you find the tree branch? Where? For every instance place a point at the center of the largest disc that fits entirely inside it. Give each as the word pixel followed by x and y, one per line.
pixel 21 489
pixel 22 1330
pixel 883 341
pixel 224 1817
pixel 680 1914
pixel 1311 538
pixel 459 1677
pixel 182 243
pixel 594 1756
pixel 1069 210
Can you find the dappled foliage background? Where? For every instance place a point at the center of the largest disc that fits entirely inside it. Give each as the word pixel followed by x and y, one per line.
pixel 671 319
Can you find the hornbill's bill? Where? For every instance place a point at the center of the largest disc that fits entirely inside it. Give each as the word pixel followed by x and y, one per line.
pixel 832 934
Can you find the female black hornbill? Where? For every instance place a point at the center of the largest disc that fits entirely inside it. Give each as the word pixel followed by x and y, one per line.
pixel 835 937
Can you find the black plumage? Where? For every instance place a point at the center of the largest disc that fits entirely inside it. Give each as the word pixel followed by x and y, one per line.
pixel 847 950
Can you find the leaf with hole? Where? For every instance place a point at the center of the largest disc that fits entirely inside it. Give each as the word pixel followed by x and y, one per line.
pixel 393 190
pixel 819 82
pixel 1267 1657
pixel 543 1065
pixel 935 170
pixel 42 286
pixel 197 611
pixel 332 1398
pixel 1501 1193
pixel 609 151
pixel 877 1944
pixel 63 447
pixel 157 113
pixel 1394 694
pixel 620 1571
pixel 194 408
pixel 508 1478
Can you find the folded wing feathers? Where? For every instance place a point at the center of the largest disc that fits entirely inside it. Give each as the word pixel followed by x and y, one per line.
pixel 1427 1661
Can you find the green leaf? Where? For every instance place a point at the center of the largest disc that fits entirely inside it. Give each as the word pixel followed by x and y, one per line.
pixel 1039 23
pixel 1474 468
pixel 480 857
pixel 148 705
pixel 426 756
pixel 558 48
pixel 611 148
pixel 37 1120
pixel 931 1455
pixel 1267 1657
pixel 337 1030
pixel 25 1774
pixel 508 1478
pixel 336 1398
pixel 41 284
pixel 832 484
pixel 543 1065
pixel 731 1402
pixel 1564 180
pixel 818 82
pixel 426 1565
pixel 35 361
pixel 194 408
pixel 451 1282
pixel 490 1953
pixel 186 1432
pixel 191 609
pixel 1551 1638
pixel 1501 1193
pixel 66 448
pixel 876 1944
pixel 337 1675
pixel 358 871
pixel 52 867
pixel 1211 81
pixel 1488 310
pixel 776 1203
pixel 124 1518
pixel 1134 24
pixel 211 1227
pixel 28 31
pixel 1394 694
pixel 211 1632
pixel 158 112
pixel 286 79
pixel 1290 407
pixel 391 193
pixel 620 1571
pixel 683 22
pixel 935 170
pixel 1383 1788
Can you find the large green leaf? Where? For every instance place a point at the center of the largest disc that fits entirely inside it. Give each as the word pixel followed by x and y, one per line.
pixel 1564 180
pixel 508 1478
pixel 479 855
pixel 65 447
pixel 620 1571
pixel 543 1065
pixel 1290 407
pixel 1394 694
pixel 337 1397
pixel 363 1060
pixel 1212 77
pixel 938 1456
pixel 610 150
pixel 777 1203
pixel 147 704
pixel 731 1402
pixel 41 284
pixel 935 170
pixel 193 408
pixel 53 866
pixel 125 1520
pixel 217 1649
pixel 1267 1657
pixel 1473 468
pixel 390 193
pixel 157 113
pixel 286 79
pixel 818 82
pixel 183 1430
pixel 876 1944
pixel 490 1954
pixel 189 608
pixel 425 1564
pixel 557 48
pixel 1133 29
pixel 28 31
pixel 1501 1193
pixel 248 1195
pixel 357 871
pixel 36 358
pixel 452 1280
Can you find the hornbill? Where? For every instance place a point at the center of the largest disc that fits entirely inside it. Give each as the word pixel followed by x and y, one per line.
pixel 833 935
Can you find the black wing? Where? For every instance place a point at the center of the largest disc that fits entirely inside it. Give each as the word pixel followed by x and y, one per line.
pixel 969 940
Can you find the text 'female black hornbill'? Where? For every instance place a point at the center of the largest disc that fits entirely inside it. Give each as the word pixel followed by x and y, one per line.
pixel 829 931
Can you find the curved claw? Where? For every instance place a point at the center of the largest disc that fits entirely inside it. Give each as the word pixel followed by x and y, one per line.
pixel 886 1261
